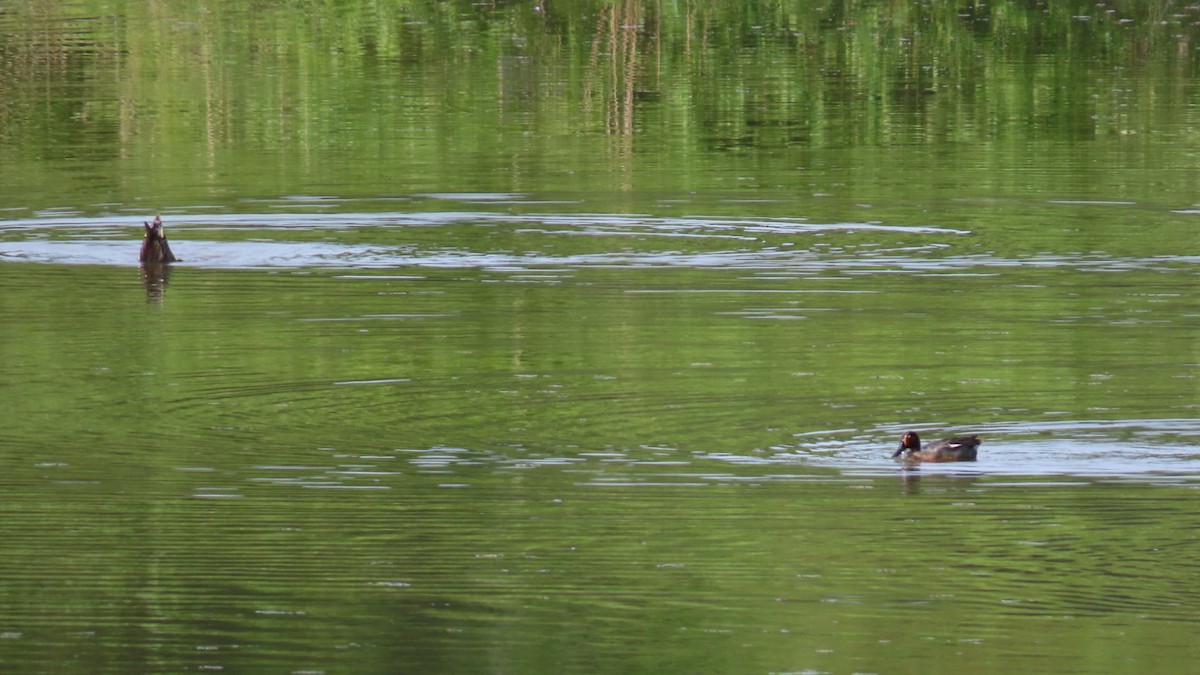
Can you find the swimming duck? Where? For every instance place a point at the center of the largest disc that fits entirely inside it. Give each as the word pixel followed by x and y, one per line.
pixel 957 449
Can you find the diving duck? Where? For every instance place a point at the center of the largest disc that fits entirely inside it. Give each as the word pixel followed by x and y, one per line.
pixel 957 449
pixel 154 246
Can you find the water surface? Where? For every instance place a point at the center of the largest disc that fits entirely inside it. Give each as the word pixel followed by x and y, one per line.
pixel 578 339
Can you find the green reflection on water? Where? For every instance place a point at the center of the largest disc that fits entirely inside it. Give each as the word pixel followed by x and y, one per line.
pixel 598 359
pixel 211 102
pixel 671 463
pixel 458 470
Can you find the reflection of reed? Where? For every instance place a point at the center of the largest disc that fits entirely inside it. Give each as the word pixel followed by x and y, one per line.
pixel 616 35
pixel 154 278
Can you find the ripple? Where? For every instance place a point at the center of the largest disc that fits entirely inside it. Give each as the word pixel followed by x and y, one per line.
pixel 763 245
pixel 1141 450
pixel 284 240
pixel 547 241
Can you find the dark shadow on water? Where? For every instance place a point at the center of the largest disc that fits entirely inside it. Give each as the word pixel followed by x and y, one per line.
pixel 155 277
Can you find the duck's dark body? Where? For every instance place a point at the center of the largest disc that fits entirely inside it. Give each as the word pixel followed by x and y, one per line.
pixel 155 248
pixel 957 449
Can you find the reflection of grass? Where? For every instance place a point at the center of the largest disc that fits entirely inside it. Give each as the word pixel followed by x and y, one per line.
pixel 588 96
pixel 485 359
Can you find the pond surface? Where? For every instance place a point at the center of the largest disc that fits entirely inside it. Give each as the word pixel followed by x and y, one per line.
pixel 526 338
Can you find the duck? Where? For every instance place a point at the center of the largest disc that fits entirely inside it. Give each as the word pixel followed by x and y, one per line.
pixel 155 248
pixel 957 449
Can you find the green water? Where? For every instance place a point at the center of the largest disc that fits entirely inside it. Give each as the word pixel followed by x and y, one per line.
pixel 577 337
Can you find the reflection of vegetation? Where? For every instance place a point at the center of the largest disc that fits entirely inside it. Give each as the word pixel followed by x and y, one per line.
pixel 287 91
pixel 599 363
pixel 254 384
